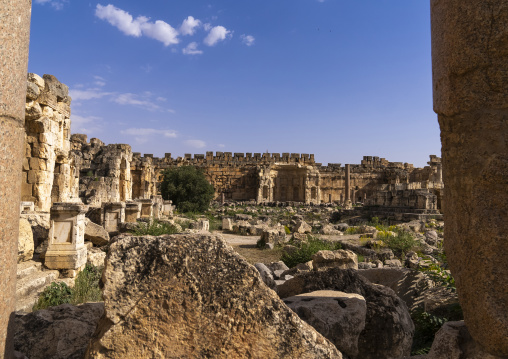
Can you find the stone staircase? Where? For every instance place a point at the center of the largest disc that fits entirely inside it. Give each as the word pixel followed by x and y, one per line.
pixel 31 281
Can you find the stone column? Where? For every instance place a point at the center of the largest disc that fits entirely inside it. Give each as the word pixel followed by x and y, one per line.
pixel 66 245
pixel 470 82
pixel 347 201
pixel 14 38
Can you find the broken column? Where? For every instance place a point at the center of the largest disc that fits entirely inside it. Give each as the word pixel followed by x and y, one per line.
pixel 348 203
pixel 14 38
pixel 470 82
pixel 114 214
pixel 66 245
pixel 132 211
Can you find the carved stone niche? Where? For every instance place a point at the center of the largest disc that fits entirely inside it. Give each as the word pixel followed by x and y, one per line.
pixel 66 246
pixel 146 207
pixel 132 211
pixel 114 214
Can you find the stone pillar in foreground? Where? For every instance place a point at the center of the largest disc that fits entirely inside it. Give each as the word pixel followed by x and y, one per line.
pixel 14 38
pixel 66 245
pixel 470 82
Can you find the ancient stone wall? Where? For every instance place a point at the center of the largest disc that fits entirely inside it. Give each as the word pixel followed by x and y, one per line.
pixel 104 170
pixel 49 169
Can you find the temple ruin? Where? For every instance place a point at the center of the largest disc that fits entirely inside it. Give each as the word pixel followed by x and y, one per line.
pixel 60 167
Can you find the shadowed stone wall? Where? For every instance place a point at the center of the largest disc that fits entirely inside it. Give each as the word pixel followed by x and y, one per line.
pixel 14 38
pixel 470 81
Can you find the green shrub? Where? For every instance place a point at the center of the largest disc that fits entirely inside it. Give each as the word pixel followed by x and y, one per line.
pixel 287 230
pixel 86 285
pixel 156 228
pixel 188 188
pixel 426 326
pixel 400 243
pixel 55 294
pixel 86 289
pixel 305 250
pixel 352 230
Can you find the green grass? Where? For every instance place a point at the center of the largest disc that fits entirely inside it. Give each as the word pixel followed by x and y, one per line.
pixel 86 289
pixel 305 250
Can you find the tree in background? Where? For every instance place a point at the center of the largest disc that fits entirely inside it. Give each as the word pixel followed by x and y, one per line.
pixel 188 188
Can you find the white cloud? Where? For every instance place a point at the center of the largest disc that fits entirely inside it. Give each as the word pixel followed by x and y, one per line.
pixel 57 4
pixel 136 100
pixel 192 49
pixel 189 26
pixel 85 124
pixel 99 81
pixel 149 132
pixel 216 34
pixel 248 39
pixel 122 20
pixel 196 143
pixel 207 26
pixel 88 94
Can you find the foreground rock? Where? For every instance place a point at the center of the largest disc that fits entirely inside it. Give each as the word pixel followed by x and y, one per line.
pixel 453 341
pixel 58 332
pixel 193 296
pixel 339 316
pixel 388 329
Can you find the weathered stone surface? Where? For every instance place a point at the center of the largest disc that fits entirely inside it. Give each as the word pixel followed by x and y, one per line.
pixel 470 81
pixel 96 234
pixel 388 329
pixel 453 341
pixel 227 224
pixel 302 227
pixel 343 259
pixel 95 256
pixel 274 235
pixel 25 241
pixel 61 332
pixel 339 316
pixel 201 298
pixel 266 275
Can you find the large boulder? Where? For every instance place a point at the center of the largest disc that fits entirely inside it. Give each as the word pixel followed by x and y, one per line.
pixel 339 316
pixel 274 235
pixel 388 329
pixel 302 227
pixel 178 296
pixel 61 332
pixel 96 234
pixel 343 259
pixel 25 241
pixel 453 341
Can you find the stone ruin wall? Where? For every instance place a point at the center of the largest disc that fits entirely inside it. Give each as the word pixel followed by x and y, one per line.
pixel 49 167
pixel 59 167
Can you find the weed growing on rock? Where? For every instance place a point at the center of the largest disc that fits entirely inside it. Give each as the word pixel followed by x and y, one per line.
pixel 55 294
pixel 86 289
pixel 156 228
pixel 400 243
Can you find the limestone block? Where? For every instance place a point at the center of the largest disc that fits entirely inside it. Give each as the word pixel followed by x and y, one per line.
pixel 36 79
pixel 95 256
pixel 55 87
pixel 25 241
pixel 339 316
pixel 344 259
pixel 199 296
pixel 96 234
pixel 48 138
pixel 302 227
pixel 227 224
pixel 26 191
pixel 32 91
pixel 49 113
pixel 32 110
pixel 43 150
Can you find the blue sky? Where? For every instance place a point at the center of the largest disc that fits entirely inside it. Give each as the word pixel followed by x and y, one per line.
pixel 340 79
